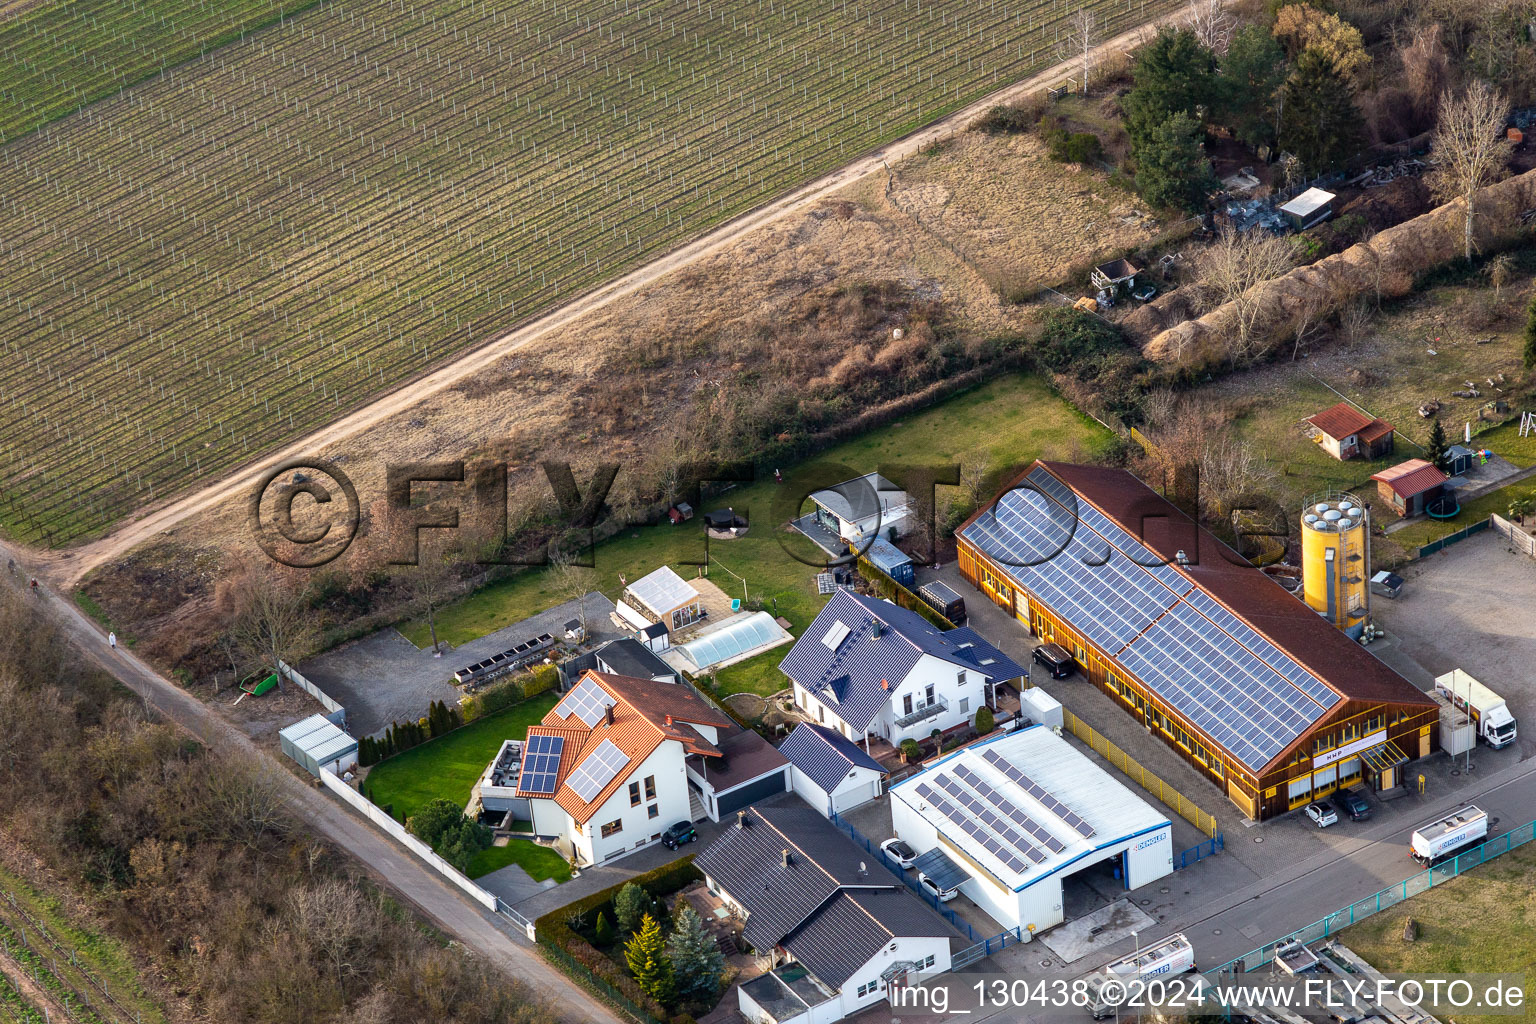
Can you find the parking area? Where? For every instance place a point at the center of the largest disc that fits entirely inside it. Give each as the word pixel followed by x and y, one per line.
pixel 384 678
pixel 1257 851
pixel 1467 606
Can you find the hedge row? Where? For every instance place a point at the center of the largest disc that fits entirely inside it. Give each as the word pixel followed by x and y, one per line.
pixel 884 586
pixel 502 695
pixel 555 931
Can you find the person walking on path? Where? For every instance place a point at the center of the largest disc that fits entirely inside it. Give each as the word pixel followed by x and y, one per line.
pixel 112 640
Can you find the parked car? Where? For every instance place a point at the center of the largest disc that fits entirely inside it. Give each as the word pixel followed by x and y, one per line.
pixel 1353 803
pixel 932 889
pixel 899 851
pixel 677 835
pixel 1055 658
pixel 1322 815
pixel 1145 293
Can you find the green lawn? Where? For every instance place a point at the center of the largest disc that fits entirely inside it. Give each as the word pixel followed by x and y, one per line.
pixel 448 766
pixel 1012 419
pixel 1425 531
pixel 1483 922
pixel 759 675
pixel 539 861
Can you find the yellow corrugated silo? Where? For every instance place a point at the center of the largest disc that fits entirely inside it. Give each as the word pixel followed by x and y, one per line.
pixel 1335 560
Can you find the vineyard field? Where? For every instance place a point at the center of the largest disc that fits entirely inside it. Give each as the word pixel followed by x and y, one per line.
pixel 55 57
pixel 272 233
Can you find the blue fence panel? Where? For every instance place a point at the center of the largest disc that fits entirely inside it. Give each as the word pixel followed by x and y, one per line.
pixel 1195 854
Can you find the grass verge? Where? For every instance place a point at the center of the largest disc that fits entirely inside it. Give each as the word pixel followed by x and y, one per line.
pixel 539 861
pixel 448 766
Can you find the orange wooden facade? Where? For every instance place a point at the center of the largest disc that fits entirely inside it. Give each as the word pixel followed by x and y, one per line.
pixel 1326 757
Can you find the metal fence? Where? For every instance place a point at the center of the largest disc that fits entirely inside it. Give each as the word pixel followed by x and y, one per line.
pixel 1447 541
pixel 1195 854
pixel 909 881
pixel 1184 806
pixel 1388 897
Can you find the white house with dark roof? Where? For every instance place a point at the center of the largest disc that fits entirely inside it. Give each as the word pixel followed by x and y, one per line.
pixel 840 930
pixel 829 771
pixel 861 508
pixel 868 667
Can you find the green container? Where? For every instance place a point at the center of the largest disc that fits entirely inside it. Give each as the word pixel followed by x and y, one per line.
pixel 257 689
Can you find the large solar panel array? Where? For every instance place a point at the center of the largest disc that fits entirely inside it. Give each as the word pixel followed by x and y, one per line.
pixel 1220 686
pixel 586 702
pixel 1244 692
pixel 1102 585
pixel 1007 854
pixel 1011 810
pixel 1006 830
pixel 541 764
pixel 597 770
pixel 1037 791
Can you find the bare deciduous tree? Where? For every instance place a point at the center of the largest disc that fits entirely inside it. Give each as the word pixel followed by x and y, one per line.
pixel 1229 269
pixel 272 622
pixel 1228 468
pixel 431 582
pixel 1426 67
pixel 337 924
pixel 1471 149
pixel 1211 23
pixel 572 582
pixel 1500 269
pixel 1079 40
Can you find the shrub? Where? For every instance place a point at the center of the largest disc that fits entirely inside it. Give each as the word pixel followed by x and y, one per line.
pixel 1012 118
pixel 1074 147
pixel 984 721
pixel 1072 338
pixel 910 749
pixel 442 825
pixel 604 930
pixel 630 906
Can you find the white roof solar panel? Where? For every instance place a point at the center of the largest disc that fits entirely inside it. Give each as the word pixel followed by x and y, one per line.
pixel 586 702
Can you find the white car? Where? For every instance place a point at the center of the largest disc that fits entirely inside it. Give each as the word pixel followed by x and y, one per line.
pixel 1322 815
pixel 929 886
pixel 899 852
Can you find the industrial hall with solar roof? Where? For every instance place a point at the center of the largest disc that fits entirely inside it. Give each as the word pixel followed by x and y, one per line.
pixel 1247 683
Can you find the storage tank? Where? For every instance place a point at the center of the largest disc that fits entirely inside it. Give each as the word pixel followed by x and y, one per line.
pixel 1335 560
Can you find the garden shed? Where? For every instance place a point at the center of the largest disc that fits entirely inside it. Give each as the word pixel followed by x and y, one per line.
pixel 318 745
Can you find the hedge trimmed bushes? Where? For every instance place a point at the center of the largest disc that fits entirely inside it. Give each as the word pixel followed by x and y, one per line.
pixel 502 695
pixel 555 931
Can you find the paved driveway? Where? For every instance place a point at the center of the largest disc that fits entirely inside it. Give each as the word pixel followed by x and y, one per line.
pixel 384 678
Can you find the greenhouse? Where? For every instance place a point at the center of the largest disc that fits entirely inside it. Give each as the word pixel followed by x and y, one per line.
pixel 736 639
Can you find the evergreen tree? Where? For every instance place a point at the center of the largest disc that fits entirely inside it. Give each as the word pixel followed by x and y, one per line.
pixel 1252 73
pixel 1174 73
pixel 1171 168
pixel 603 930
pixel 629 906
pixel 646 955
pixel 1437 446
pixel 1530 334
pixel 1319 123
pixel 697 962
pixel 985 721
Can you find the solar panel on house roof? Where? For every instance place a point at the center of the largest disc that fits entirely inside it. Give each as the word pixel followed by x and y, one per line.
pixel 1015 814
pixel 541 764
pixel 597 770
pixel 971 827
pixel 1039 792
pixel 1271 655
pixel 586 702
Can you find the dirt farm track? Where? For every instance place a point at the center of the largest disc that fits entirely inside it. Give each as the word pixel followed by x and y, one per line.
pixel 69 566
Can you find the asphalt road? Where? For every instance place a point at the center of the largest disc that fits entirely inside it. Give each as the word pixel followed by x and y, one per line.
pixel 381 857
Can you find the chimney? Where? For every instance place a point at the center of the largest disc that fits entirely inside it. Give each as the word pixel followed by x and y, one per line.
pixel 608 713
pixel 669 721
pixel 786 857
pixel 1181 557
pixel 876 628
pixel 885 684
pixel 741 819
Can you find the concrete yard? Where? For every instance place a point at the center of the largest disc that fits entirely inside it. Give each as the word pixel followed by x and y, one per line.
pixel 1466 607
pixel 383 678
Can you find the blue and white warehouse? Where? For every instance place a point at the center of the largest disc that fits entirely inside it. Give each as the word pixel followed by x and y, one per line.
pixel 1009 820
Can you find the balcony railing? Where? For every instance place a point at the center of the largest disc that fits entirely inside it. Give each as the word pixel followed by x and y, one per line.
pixel 923 713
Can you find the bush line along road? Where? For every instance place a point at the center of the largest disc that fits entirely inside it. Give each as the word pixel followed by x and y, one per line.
pixel 212 263
pixel 408 876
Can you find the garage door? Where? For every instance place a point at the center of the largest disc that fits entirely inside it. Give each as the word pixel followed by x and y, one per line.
pixel 855 795
pixel 763 788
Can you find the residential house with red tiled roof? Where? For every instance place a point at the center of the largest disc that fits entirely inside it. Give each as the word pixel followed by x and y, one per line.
pixel 621 759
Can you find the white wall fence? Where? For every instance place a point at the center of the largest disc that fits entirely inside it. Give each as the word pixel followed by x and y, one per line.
pixel 310 688
pixel 397 832
pixel 1518 538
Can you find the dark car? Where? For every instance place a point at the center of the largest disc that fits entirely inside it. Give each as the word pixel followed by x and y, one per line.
pixel 1055 658
pixel 677 835
pixel 1353 803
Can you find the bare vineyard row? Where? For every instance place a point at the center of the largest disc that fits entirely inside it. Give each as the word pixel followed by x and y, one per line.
pixel 274 233
pixel 57 57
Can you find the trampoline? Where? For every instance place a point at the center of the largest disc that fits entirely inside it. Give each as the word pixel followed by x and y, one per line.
pixel 1444 506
